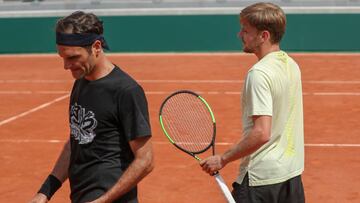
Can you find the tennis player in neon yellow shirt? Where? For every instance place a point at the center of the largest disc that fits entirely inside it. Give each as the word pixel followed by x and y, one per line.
pixel 272 145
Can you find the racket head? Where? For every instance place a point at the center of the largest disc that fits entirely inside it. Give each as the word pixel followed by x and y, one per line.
pixel 188 122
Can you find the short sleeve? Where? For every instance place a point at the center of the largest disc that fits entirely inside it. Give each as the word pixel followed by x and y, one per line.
pixel 133 113
pixel 257 94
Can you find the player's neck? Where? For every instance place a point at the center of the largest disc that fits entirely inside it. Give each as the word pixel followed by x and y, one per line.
pixel 266 49
pixel 102 68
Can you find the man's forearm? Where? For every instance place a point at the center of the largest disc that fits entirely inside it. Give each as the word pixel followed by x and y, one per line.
pixel 259 134
pixel 244 147
pixel 138 169
pixel 58 175
pixel 60 170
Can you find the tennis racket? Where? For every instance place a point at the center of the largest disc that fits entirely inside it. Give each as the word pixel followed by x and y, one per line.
pixel 188 122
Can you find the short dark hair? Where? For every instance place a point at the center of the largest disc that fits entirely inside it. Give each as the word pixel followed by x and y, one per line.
pixel 80 22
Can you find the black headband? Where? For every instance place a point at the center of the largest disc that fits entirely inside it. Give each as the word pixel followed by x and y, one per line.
pixel 81 40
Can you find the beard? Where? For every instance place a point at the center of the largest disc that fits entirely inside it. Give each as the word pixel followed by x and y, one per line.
pixel 248 50
pixel 77 74
pixel 251 47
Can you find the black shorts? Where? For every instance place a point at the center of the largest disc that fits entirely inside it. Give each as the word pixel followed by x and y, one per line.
pixel 290 191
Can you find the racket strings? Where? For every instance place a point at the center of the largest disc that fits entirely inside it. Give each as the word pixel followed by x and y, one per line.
pixel 188 122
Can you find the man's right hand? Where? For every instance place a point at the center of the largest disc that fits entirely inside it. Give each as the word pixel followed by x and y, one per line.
pixel 39 198
pixel 212 164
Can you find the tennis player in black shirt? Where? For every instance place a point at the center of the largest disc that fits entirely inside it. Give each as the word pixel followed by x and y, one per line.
pixel 109 150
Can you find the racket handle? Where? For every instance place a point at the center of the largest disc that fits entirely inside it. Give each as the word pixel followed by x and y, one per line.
pixel 220 181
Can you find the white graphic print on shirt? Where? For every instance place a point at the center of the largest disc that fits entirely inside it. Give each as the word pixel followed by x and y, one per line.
pixel 82 124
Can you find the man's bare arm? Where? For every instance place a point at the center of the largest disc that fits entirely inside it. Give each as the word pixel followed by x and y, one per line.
pixel 60 171
pixel 142 165
pixel 258 136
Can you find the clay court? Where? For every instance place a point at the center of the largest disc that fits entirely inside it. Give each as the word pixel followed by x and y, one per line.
pixel 34 92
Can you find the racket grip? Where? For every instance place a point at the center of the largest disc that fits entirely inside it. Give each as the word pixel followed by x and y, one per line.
pixel 220 181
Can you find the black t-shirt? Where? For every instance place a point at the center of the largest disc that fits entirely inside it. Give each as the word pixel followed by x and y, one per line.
pixel 104 116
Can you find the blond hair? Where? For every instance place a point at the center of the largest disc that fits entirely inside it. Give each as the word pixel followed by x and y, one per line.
pixel 266 16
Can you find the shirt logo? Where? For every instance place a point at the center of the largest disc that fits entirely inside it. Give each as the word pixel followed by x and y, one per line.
pixel 82 124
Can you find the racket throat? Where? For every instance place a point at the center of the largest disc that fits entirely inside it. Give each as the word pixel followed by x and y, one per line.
pixel 196 157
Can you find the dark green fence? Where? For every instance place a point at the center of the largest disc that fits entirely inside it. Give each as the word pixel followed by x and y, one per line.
pixel 187 33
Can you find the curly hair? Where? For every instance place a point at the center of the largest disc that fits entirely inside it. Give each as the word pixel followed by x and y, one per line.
pixel 80 22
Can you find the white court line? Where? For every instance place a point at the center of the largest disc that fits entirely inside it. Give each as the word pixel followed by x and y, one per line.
pixel 199 92
pixel 36 81
pixel 168 143
pixel 136 54
pixel 306 145
pixel 332 145
pixel 239 93
pixel 336 93
pixel 16 92
pixel 335 82
pixel 53 92
pixel 34 92
pixel 31 141
pixel 218 54
pixel 8 120
pixel 342 82
pixel 242 81
pixel 306 93
pixel 192 81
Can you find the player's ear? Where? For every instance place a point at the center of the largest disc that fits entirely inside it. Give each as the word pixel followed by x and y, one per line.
pixel 96 47
pixel 265 35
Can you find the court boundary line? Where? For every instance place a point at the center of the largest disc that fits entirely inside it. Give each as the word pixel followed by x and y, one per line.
pixel 25 55
pixel 8 120
pixel 22 92
pixel 10 81
pixel 55 141
pixel 169 92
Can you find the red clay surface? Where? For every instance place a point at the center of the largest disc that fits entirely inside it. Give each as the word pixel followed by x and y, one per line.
pixel 31 142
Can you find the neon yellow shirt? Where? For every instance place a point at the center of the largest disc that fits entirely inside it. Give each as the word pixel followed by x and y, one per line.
pixel 273 87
